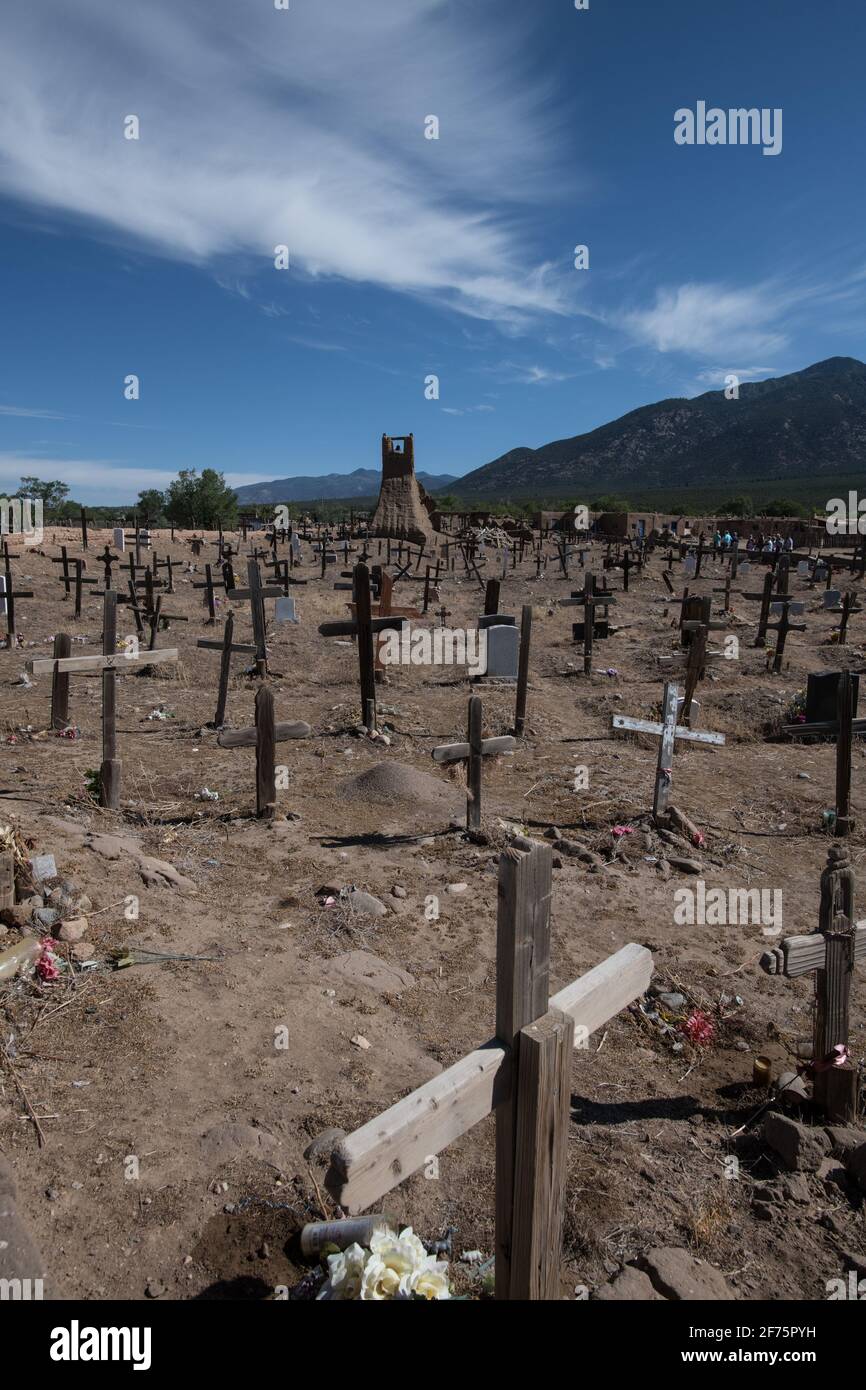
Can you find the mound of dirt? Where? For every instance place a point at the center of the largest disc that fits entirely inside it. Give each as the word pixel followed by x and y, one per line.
pixel 392 783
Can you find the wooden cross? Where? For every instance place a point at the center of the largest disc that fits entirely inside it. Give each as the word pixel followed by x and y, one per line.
pixel 363 626
pixel 80 581
pixel 589 600
pixel 782 628
pixel 63 559
pixel 832 952
pixel 844 726
pixel 209 585
pixel 83 529
pixel 668 730
pixel 849 606
pixel 107 560
pixel 109 664
pixel 10 595
pixel 257 593
pixel 765 598
pixel 473 752
pixel 226 647
pixel 521 1075
pixel 264 737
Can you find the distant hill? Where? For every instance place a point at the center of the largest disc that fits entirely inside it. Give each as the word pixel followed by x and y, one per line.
pixel 806 423
pixel 364 482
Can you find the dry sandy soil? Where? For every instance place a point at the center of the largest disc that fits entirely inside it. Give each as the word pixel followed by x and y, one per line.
pixel 174 1061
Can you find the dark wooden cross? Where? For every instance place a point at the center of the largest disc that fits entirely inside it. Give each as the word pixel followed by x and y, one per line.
pixel 473 753
pixel 364 626
pixel 783 627
pixel 832 953
pixel 765 598
pixel 669 731
pixel 844 726
pixel 107 559
pixel 264 737
pixel 10 596
pixel 83 529
pixel 109 664
pixel 589 599
pixel 848 606
pixel 209 585
pixel 63 559
pixel 257 593
pixel 226 647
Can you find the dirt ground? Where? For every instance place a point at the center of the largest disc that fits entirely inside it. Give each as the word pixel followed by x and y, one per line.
pixel 215 1073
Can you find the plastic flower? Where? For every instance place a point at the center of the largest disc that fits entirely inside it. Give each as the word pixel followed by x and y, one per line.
pixel 699 1028
pixel 345 1274
pixel 431 1282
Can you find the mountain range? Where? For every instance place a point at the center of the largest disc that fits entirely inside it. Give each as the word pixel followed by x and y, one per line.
pixel 364 482
pixel 808 422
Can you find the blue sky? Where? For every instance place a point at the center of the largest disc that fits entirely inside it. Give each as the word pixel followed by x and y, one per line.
pixel 409 257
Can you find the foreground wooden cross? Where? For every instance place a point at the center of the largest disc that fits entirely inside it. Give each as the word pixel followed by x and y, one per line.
pixel 521 1075
pixel 264 737
pixel 109 664
pixel 669 731
pixel 473 753
pixel 832 952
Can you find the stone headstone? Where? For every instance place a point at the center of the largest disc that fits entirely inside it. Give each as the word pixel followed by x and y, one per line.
pixel 821 692
pixel 793 608
pixel 744 569
pixel 831 598
pixel 119 541
pixel 690 564
pixel 43 866
pixel 496 620
pixel 286 611
pixel 803 568
pixel 296 546
pixel 503 647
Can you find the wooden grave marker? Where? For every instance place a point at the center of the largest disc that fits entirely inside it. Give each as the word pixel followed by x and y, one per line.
pixel 668 731
pixel 264 737
pixel 521 1075
pixel 364 626
pixel 473 753
pixel 256 592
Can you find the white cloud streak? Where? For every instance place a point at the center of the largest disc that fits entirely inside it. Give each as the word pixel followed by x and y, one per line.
pixel 302 127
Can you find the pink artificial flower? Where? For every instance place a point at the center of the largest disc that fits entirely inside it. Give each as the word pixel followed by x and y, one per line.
pixel 699 1028
pixel 623 830
pixel 46 965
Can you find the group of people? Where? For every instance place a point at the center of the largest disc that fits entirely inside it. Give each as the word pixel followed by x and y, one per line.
pixel 760 544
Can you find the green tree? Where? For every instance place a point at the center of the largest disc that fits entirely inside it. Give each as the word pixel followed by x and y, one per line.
pixel 741 505
pixel 151 505
pixel 52 495
pixel 610 504
pixel 782 507
pixel 200 501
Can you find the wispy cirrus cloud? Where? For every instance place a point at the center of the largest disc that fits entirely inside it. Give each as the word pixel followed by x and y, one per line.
pixel 708 320
pixel 103 480
pixel 21 412
pixel 261 127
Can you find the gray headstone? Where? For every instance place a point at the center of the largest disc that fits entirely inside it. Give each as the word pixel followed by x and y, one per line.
pixel 803 568
pixel 744 569
pixel 690 564
pixel 831 597
pixel 119 539
pixel 793 608
pixel 286 611
pixel 497 620
pixel 503 648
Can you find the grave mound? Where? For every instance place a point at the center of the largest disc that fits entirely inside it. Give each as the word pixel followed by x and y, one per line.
pixel 388 783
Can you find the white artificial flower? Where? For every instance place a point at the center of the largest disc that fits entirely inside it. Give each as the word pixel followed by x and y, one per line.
pixel 345 1274
pixel 431 1281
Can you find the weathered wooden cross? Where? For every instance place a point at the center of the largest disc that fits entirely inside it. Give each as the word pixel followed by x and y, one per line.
pixel 109 664
pixel 832 952
pixel 10 595
pixel 783 627
pixel 473 753
pixel 844 726
pixel 668 730
pixel 264 737
pixel 227 646
pixel 589 599
pixel 256 592
pixel 522 1075
pixel 363 626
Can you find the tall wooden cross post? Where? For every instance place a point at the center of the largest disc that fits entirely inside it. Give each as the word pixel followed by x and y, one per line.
pixel 10 595
pixel 473 753
pixel 669 731
pixel 832 952
pixel 589 600
pixel 257 593
pixel 264 737
pixel 844 726
pixel 363 626
pixel 522 1075
pixel 109 664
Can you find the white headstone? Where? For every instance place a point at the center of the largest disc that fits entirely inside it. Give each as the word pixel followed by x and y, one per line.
pixel 286 611
pixel 120 539
pixel 744 569
pixel 503 651
pixel 690 564
pixel 803 568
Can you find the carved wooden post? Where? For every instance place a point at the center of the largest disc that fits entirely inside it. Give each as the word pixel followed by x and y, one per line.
pixel 835 1079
